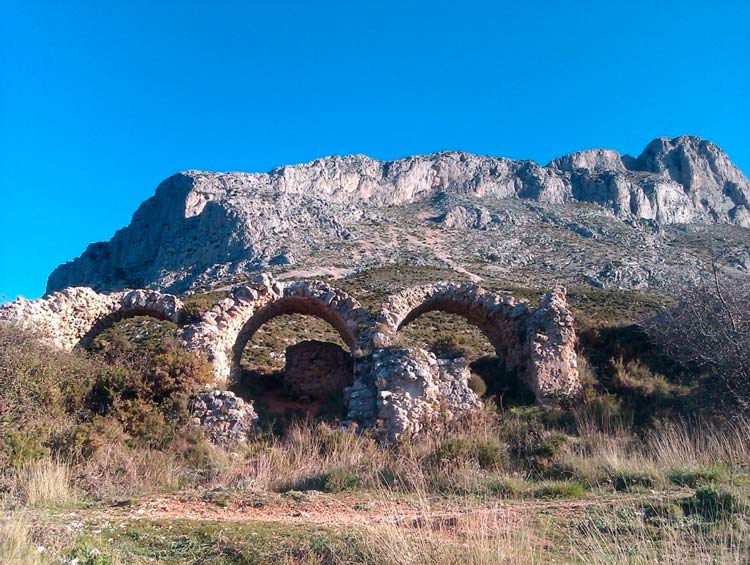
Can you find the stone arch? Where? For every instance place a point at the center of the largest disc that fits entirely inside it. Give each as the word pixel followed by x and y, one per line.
pixel 538 345
pixel 500 318
pixel 124 313
pixel 225 329
pixel 75 316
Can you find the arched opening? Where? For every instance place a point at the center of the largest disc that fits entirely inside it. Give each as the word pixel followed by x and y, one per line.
pixel 139 326
pixel 489 344
pixel 293 359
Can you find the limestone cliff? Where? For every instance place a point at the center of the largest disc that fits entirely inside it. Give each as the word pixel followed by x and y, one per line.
pixel 203 226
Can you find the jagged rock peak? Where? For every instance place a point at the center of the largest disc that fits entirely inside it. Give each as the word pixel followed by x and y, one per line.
pixel 590 160
pixel 200 225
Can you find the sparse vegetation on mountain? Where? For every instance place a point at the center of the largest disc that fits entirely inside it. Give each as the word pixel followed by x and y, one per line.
pixel 643 467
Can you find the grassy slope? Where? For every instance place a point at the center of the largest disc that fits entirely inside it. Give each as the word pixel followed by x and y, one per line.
pixel 598 485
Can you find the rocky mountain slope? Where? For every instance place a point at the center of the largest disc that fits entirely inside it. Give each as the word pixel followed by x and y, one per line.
pixel 593 217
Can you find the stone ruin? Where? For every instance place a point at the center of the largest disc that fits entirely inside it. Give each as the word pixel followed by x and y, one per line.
pixel 397 391
pixel 317 369
pixel 223 417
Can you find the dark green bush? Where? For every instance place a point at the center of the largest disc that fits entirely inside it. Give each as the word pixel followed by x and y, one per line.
pixel 340 480
pixel 42 392
pixel 552 445
pixel 629 480
pixel 661 512
pixel 149 399
pixel 451 346
pixel 477 385
pixel 559 489
pixel 488 453
pixel 75 403
pixel 713 504
pixel 697 476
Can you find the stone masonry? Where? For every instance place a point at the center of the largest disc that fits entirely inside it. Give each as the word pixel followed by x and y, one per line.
pixel 398 391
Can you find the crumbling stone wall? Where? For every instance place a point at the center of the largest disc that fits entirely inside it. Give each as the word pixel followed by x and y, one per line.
pixel 416 391
pixel 317 369
pixel 75 316
pixel 539 346
pixel 552 366
pixel 223 417
pixel 225 329
pixel 399 391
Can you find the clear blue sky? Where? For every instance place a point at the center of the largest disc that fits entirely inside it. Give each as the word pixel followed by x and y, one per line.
pixel 101 100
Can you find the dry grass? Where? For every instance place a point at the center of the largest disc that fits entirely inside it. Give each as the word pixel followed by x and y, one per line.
pixel 637 542
pixel 680 444
pixel 472 533
pixel 44 482
pixel 16 547
pixel 116 471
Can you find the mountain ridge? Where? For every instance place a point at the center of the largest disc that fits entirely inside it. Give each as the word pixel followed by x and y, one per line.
pixel 199 222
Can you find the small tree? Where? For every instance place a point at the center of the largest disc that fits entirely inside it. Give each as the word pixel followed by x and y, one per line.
pixel 710 330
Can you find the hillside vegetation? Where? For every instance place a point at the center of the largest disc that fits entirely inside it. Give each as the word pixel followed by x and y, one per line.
pixel 100 462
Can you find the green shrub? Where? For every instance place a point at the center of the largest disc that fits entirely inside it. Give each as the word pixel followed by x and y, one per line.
pixel 22 448
pixel 661 513
pixel 552 445
pixel 629 480
pixel 42 392
pixel 195 305
pixel 149 399
pixel 488 453
pixel 697 476
pixel 503 486
pixel 89 437
pixel 559 489
pixel 451 346
pixel 477 385
pixel 713 504
pixel 340 480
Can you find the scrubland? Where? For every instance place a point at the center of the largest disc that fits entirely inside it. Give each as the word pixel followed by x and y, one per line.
pixel 100 465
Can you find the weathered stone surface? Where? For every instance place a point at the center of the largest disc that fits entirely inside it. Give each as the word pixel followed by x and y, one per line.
pixel 399 391
pixel 226 328
pixel 75 315
pixel 223 417
pixel 200 227
pixel 417 392
pixel 538 345
pixel 551 341
pixel 501 318
pixel 317 369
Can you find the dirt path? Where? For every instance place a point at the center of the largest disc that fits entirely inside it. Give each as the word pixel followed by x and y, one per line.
pixel 432 244
pixel 342 510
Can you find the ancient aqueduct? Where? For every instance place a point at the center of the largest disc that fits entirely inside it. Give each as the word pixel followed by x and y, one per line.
pixel 395 389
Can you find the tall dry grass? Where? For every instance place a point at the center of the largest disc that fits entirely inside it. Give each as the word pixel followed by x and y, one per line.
pixel 44 482
pixel 640 543
pixel 16 547
pixel 669 446
pixel 701 443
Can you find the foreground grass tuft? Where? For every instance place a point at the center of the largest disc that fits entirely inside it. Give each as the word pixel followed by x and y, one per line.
pixel 45 482
pixel 16 546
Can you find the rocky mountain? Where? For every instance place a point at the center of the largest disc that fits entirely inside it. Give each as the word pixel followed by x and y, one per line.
pixel 595 217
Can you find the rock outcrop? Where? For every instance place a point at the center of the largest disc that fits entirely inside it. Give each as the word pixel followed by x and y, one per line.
pixel 224 418
pixel 200 227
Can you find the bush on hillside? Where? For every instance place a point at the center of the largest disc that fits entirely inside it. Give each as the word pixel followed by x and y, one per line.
pixel 57 401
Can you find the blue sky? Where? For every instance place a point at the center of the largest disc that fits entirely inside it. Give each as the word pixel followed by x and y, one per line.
pixel 101 100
